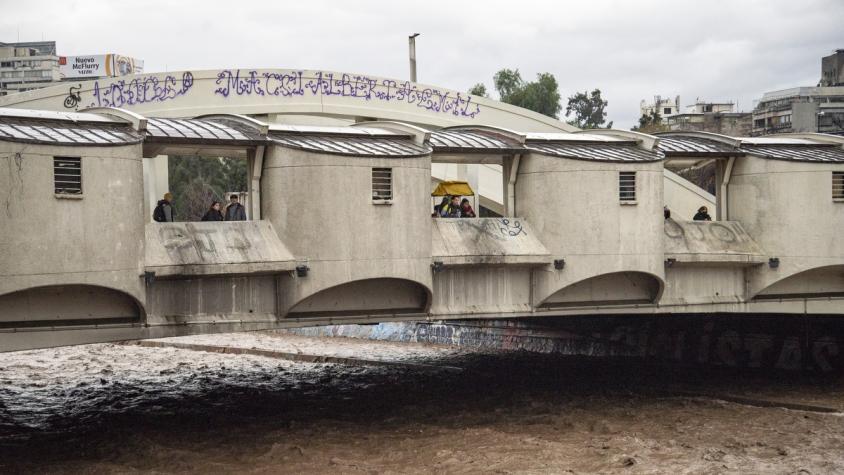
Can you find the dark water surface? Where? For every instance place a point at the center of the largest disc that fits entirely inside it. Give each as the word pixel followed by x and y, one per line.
pixel 114 408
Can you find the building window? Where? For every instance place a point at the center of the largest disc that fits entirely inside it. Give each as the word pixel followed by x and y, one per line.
pixel 627 187
pixel 838 186
pixel 382 185
pixel 666 110
pixel 67 175
pixel 707 108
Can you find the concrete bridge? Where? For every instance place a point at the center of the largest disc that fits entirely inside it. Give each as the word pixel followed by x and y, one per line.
pixel 340 228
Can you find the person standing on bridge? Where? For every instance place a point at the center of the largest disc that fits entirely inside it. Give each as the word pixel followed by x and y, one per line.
pixel 702 214
pixel 235 211
pixel 214 213
pixel 453 210
pixel 164 211
pixel 466 210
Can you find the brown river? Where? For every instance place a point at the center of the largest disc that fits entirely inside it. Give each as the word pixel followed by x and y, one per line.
pixel 382 407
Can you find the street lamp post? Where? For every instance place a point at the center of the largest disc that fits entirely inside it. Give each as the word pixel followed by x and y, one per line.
pixel 412 44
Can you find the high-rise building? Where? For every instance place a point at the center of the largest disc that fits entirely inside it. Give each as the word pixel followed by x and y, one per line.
pixel 805 109
pixel 33 65
pixel 28 65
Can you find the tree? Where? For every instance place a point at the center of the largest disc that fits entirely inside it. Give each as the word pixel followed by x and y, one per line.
pixel 541 96
pixel 650 123
pixel 588 109
pixel 197 181
pixel 479 89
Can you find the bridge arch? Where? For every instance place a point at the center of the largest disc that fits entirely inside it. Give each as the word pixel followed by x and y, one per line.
pixel 380 295
pixel 68 305
pixel 614 288
pixel 821 281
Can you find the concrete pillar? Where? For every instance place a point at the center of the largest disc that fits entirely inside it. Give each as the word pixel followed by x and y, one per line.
pixel 156 182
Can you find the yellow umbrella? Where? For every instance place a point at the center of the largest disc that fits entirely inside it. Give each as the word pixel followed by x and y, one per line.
pixel 453 188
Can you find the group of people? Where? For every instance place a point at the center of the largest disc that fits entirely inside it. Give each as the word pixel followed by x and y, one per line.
pixel 453 207
pixel 165 212
pixel 701 215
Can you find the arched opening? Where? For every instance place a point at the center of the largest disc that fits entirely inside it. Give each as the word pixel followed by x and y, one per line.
pixel 365 297
pixel 813 283
pixel 608 289
pixel 61 305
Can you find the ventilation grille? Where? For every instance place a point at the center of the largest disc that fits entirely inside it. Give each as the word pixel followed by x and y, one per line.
pixel 382 184
pixel 627 186
pixel 67 175
pixel 838 186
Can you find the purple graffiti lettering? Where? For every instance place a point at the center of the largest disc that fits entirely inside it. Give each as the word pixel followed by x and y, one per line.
pixel 328 84
pixel 140 90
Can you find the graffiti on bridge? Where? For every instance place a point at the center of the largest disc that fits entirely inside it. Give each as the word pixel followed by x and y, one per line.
pixel 189 244
pixel 140 90
pixel 247 83
pixel 500 229
pixel 730 344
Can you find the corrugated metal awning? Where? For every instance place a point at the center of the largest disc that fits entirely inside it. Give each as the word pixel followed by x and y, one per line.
pixel 55 132
pixel 602 152
pixel 353 145
pixel 820 153
pixel 473 141
pixel 200 131
pixel 695 146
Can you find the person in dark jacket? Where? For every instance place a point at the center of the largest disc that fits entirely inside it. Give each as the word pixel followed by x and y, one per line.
pixel 438 209
pixel 466 210
pixel 235 211
pixel 453 209
pixel 213 214
pixel 164 211
pixel 702 214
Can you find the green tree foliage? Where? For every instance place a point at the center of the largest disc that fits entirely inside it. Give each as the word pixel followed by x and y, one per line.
pixel 197 181
pixel 650 123
pixel 479 89
pixel 588 109
pixel 541 96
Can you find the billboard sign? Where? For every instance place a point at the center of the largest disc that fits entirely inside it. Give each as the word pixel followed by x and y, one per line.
pixel 98 66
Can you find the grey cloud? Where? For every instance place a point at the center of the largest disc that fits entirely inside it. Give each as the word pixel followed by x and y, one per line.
pixel 630 50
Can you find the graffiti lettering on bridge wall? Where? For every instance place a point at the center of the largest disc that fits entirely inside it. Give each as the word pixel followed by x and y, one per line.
pixel 248 83
pixel 140 91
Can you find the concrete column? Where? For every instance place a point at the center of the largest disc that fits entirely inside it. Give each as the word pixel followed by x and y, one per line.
pixel 156 182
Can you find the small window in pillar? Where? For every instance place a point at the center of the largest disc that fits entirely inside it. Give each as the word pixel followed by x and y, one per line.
pixel 382 185
pixel 627 187
pixel 67 175
pixel 838 187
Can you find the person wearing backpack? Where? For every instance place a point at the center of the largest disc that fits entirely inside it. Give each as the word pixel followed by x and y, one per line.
pixel 164 211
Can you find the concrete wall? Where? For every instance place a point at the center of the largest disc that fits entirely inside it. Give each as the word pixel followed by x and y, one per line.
pixel 574 207
pixel 482 289
pixel 94 239
pixel 321 206
pixel 787 208
pixel 683 197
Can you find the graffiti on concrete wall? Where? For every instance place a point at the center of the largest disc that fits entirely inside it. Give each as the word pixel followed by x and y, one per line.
pixel 249 83
pixel 140 90
pixel 189 244
pixel 701 341
pixel 510 228
pixel 500 229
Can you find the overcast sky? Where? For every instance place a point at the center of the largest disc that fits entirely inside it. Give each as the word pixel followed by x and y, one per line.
pixel 631 50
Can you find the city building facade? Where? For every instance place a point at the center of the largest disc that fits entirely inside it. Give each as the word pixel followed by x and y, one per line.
pixel 28 65
pixel 805 109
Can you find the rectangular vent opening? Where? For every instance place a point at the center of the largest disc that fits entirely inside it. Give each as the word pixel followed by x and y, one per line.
pixel 838 186
pixel 67 175
pixel 382 184
pixel 627 186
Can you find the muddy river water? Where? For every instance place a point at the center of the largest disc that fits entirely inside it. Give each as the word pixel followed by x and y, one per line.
pixel 115 408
